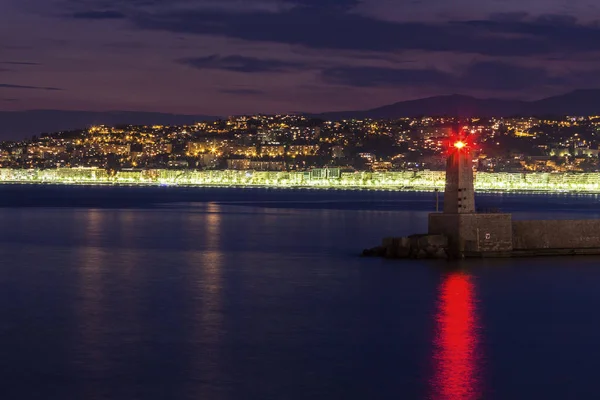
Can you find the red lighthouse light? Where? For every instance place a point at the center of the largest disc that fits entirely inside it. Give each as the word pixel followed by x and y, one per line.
pixel 459 144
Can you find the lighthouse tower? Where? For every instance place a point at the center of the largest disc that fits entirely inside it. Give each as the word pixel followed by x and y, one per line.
pixel 459 195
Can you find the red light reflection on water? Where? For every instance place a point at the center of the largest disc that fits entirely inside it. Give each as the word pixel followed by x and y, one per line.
pixel 455 357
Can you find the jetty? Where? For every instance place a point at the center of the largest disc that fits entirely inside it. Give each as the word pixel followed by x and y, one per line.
pixel 459 231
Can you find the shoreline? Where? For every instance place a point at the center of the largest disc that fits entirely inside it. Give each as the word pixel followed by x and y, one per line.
pixel 295 187
pixel 319 179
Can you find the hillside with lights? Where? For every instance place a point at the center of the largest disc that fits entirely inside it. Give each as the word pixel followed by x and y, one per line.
pixel 522 154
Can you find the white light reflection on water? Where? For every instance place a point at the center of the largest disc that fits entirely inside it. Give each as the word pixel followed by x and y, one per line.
pixel 206 281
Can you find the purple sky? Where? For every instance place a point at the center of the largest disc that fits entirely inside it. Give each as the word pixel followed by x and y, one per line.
pixel 221 57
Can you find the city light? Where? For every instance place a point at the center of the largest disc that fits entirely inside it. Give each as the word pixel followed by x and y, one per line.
pixel 404 154
pixel 328 178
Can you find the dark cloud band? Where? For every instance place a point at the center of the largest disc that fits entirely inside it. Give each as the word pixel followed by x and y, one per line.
pixel 325 28
pixel 99 15
pixel 11 86
pixel 497 76
pixel 239 63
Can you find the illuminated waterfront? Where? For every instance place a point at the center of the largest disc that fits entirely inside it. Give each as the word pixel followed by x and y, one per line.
pixel 318 179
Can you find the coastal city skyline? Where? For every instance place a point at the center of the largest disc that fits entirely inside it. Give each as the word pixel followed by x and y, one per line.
pixel 230 57
pixel 518 153
pixel 299 143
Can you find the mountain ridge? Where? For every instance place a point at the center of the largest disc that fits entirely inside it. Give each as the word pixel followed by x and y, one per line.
pixel 577 102
pixel 16 125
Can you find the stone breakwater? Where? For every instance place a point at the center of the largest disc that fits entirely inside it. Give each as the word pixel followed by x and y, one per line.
pixel 495 236
pixel 414 246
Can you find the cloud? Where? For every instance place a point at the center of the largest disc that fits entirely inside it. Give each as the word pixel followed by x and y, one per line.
pixel 131 45
pixel 14 64
pixel 498 76
pixel 234 4
pixel 328 28
pixel 583 78
pixel 127 7
pixel 556 19
pixel 19 63
pixel 239 63
pixel 13 47
pixel 291 41
pixel 10 86
pixel 509 16
pixel 243 92
pixel 337 24
pixel 98 15
pixel 10 100
pixel 335 4
pixel 503 76
pixel 376 76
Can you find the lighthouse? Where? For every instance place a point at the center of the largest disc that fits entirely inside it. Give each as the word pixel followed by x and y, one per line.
pixel 469 233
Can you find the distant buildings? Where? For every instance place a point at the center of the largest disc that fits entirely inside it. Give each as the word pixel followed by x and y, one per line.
pixel 298 143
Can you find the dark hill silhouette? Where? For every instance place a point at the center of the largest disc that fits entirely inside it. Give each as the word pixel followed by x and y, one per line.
pixel 22 124
pixel 15 125
pixel 578 102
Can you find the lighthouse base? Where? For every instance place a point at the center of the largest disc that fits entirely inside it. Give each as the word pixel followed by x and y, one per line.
pixel 474 235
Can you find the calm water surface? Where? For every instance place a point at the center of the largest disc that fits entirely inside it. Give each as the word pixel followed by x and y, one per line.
pixel 152 293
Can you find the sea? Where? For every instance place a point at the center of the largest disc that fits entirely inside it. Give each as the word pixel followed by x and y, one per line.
pixel 207 293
